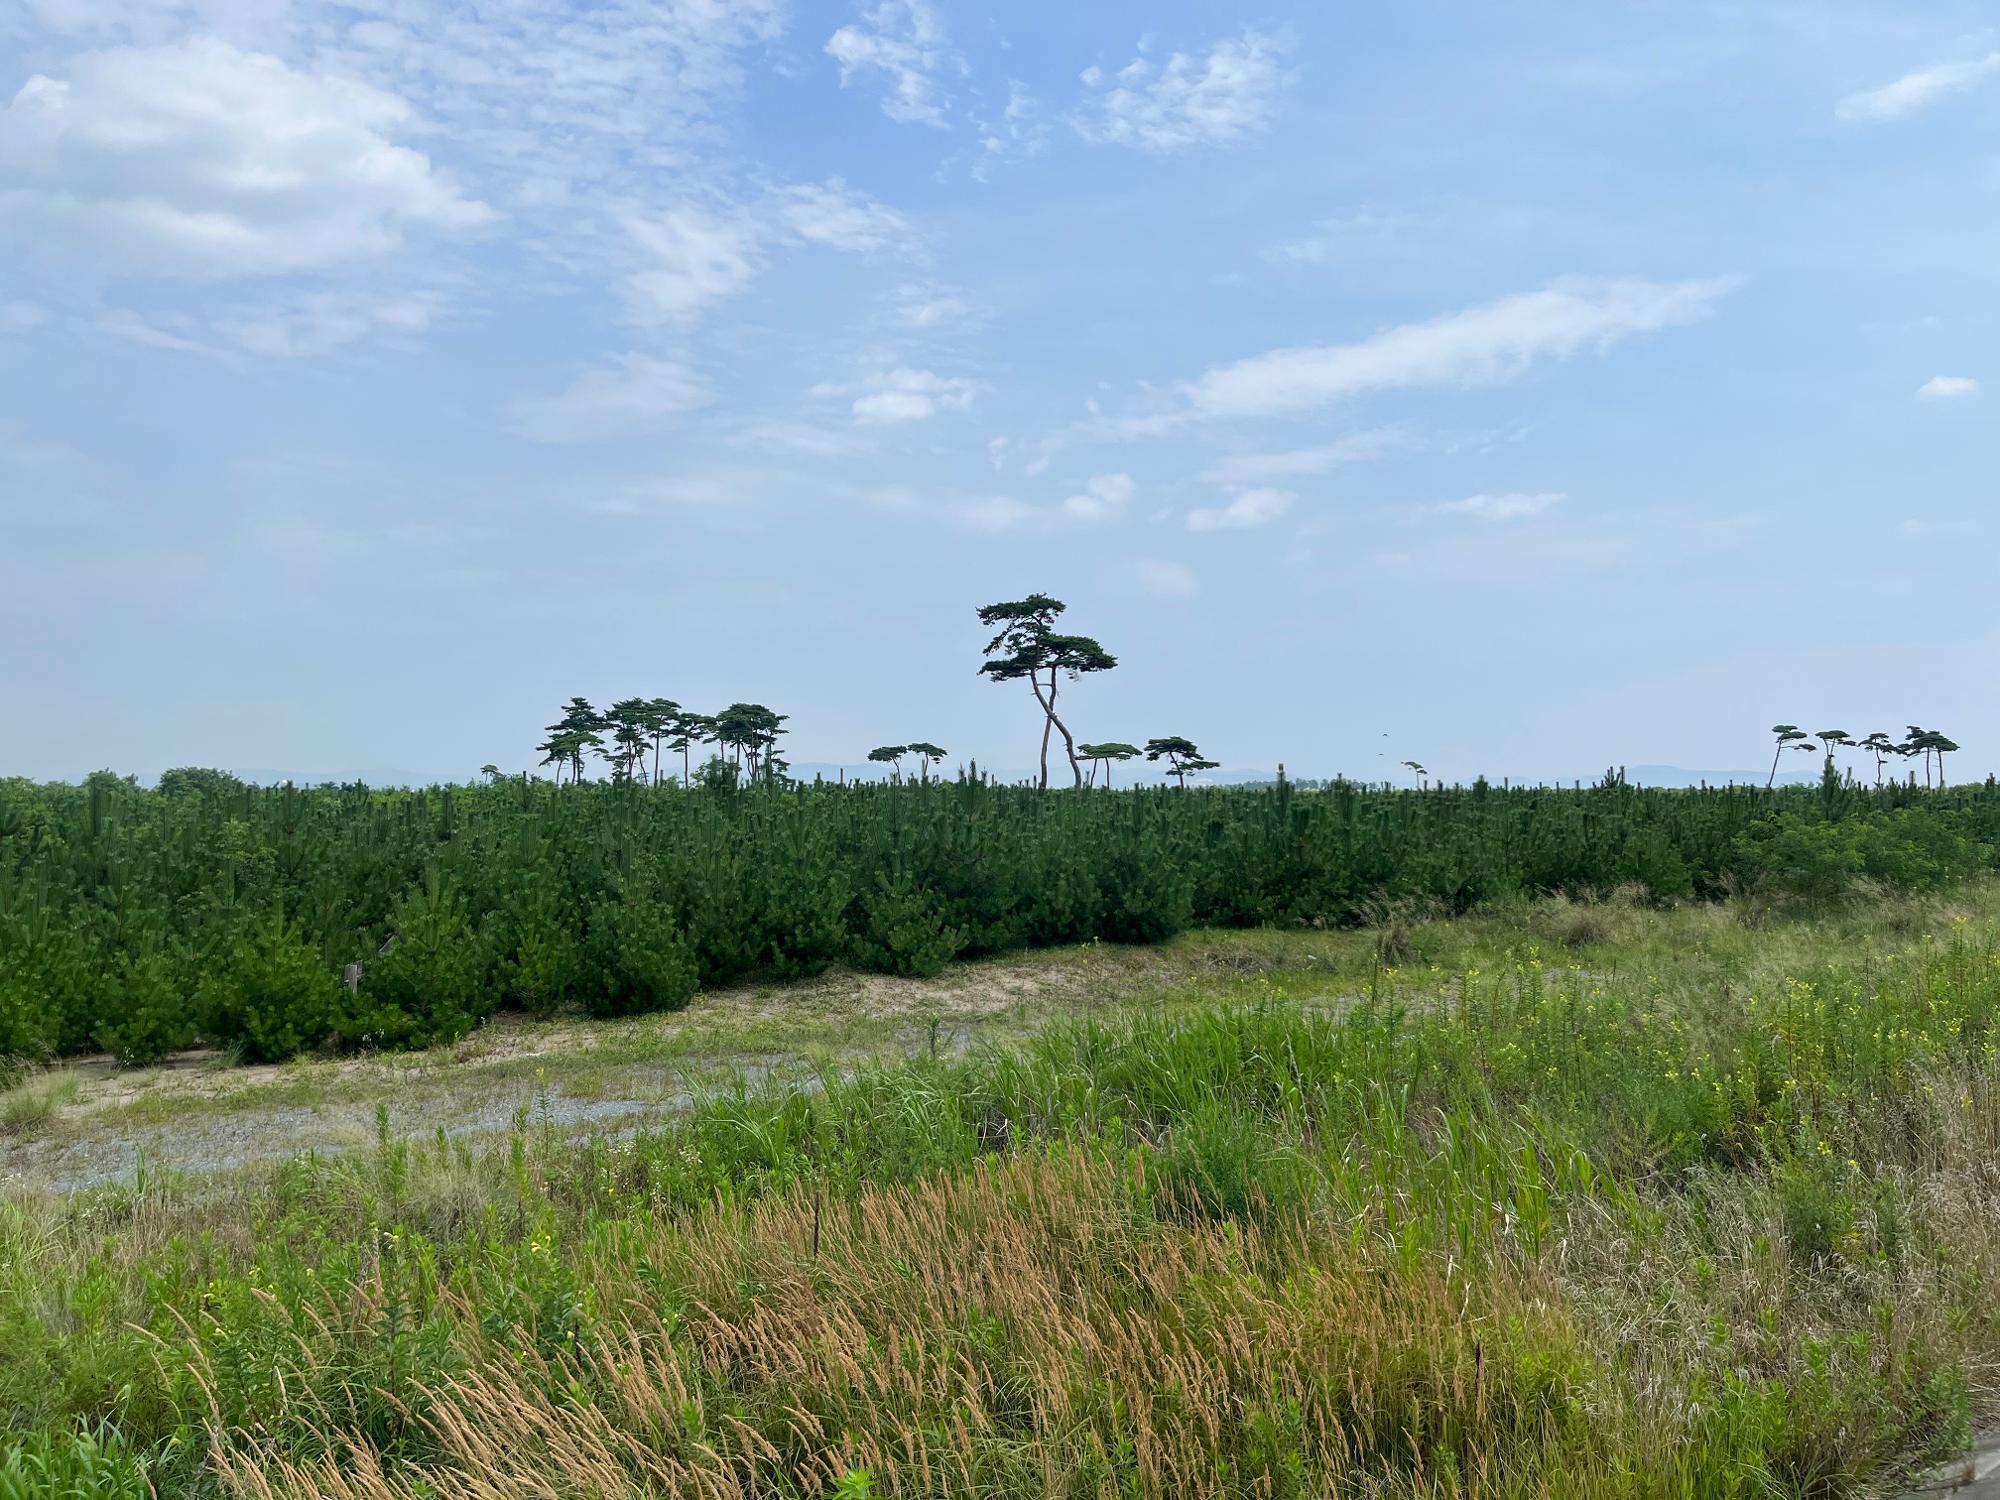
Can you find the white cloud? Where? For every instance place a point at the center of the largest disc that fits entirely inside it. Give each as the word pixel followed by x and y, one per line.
pixel 903 40
pixel 106 21
pixel 1914 90
pixel 634 393
pixel 928 304
pixel 321 322
pixel 568 106
pixel 1483 344
pixel 689 258
pixel 765 433
pixel 1218 100
pixel 1019 133
pixel 1251 508
pixel 831 213
pixel 1101 499
pixel 20 315
pixel 1170 580
pixel 205 161
pixel 1523 554
pixel 905 395
pixel 724 493
pixel 1512 507
pixel 1335 239
pixel 690 491
pixel 1256 468
pixel 125 324
pixel 996 513
pixel 1947 388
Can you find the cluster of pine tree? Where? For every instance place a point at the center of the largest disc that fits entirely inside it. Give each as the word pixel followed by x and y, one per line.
pixel 140 921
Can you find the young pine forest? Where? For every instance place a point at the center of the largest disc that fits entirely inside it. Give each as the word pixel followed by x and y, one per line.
pixel 273 921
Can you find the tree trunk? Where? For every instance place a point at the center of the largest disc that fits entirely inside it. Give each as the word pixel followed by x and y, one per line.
pixel 1772 780
pixel 1069 749
pixel 1069 740
pixel 1048 718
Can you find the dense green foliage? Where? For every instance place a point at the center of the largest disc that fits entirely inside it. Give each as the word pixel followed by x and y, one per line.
pixel 138 920
pixel 1710 1226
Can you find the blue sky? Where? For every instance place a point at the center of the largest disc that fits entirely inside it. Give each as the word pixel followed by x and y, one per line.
pixel 1519 389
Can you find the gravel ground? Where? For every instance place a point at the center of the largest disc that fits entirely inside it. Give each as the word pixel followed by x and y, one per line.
pixel 197 1114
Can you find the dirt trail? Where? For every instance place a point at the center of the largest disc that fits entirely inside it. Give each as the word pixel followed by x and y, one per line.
pixel 195 1113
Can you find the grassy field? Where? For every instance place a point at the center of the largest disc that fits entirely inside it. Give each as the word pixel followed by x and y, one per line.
pixel 1556 1199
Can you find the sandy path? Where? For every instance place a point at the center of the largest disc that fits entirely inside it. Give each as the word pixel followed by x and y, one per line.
pixel 195 1113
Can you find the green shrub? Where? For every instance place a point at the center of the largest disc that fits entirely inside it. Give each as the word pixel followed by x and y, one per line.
pixel 275 997
pixel 804 903
pixel 635 960
pixel 26 1012
pixel 1818 1216
pixel 1146 900
pixel 714 892
pixel 1819 860
pixel 906 932
pixel 147 1015
pixel 428 987
pixel 1651 860
pixel 535 946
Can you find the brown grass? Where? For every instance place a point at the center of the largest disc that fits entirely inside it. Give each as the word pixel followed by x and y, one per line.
pixel 1136 1353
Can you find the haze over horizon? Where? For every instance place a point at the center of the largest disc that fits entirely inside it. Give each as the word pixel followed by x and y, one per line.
pixel 1518 392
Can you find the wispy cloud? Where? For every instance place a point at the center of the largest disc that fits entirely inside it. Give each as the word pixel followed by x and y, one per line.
pixel 996 513
pixel 1169 580
pixel 906 395
pixel 833 214
pixel 1947 388
pixel 904 41
pixel 1333 240
pixel 1512 507
pixel 733 496
pixel 317 323
pixel 1257 468
pixel 686 259
pixel 683 258
pixel 1522 555
pixel 175 333
pixel 560 106
pixel 1481 345
pixel 1251 508
pixel 1100 499
pixel 1218 100
pixel 1021 132
pixel 1914 90
pixel 633 393
pixel 930 305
